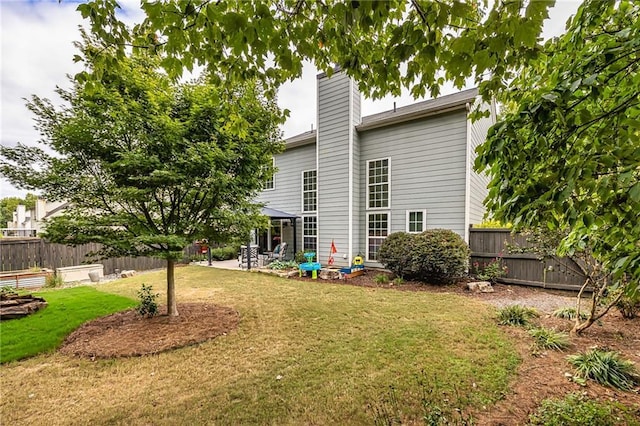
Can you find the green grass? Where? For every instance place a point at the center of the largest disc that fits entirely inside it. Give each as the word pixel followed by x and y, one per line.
pixel 45 330
pixel 304 353
pixel 578 410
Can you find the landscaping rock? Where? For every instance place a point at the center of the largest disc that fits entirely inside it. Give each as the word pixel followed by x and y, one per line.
pixel 127 274
pixel 329 274
pixel 293 273
pixel 480 287
pixel 14 306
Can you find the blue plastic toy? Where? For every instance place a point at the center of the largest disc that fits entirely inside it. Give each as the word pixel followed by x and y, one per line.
pixel 309 265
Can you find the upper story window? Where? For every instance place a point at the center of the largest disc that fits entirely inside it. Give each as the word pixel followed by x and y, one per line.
pixel 271 183
pixel 378 183
pixel 416 221
pixel 309 191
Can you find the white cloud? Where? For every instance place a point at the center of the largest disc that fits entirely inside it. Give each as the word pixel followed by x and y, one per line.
pixel 37 51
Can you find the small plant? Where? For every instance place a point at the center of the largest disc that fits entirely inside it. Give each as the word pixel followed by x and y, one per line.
pixel 381 279
pixel 53 281
pixel 278 265
pixel 606 368
pixel 491 271
pixel 568 313
pixel 549 339
pixel 629 306
pixel 299 257
pixel 147 306
pixel 575 410
pixel 398 280
pixel 516 315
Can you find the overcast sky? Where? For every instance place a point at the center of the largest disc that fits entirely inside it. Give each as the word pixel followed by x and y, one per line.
pixel 37 51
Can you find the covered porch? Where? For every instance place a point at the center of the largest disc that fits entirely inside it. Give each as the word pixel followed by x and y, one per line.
pixel 283 229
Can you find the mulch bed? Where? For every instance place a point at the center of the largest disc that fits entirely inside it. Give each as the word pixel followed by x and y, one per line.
pixel 126 334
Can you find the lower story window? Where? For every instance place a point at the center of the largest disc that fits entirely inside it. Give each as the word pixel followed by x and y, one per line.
pixel 377 231
pixel 310 233
pixel 416 221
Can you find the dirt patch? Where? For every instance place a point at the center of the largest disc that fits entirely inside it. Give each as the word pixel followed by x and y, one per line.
pixel 126 334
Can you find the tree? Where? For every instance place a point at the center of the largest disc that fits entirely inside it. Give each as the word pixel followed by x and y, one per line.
pixel 148 165
pixel 544 243
pixel 568 156
pixel 384 45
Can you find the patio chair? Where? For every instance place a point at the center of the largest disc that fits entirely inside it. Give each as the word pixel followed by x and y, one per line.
pixel 278 253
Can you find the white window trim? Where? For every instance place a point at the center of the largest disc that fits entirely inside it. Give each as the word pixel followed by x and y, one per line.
pixel 388 182
pixel 302 192
pixel 424 220
pixel 375 211
pixel 310 236
pixel 273 177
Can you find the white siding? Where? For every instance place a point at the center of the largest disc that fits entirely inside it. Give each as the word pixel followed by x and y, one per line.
pixel 478 182
pixel 427 161
pixel 287 195
pixel 335 124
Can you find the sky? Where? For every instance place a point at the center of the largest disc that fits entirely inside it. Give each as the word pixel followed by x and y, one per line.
pixel 36 54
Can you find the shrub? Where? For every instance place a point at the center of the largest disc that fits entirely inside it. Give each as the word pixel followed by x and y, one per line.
pixel 381 279
pixel 573 410
pixel 569 313
pixel 53 281
pixel 549 339
pixel 395 253
pixel 147 305
pixel 516 315
pixel 437 255
pixel 225 253
pixel 629 306
pixel 491 272
pixel 606 368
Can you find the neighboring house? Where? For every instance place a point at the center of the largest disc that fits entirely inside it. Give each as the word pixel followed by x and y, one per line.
pixel 356 179
pixel 28 223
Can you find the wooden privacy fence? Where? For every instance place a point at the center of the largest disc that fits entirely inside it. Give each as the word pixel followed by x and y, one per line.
pixel 24 253
pixel 525 269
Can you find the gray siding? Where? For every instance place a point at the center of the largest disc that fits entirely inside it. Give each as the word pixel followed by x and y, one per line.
pixel 287 195
pixel 478 182
pixel 428 159
pixel 334 126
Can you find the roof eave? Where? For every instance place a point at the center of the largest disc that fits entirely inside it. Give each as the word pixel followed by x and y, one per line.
pixel 413 116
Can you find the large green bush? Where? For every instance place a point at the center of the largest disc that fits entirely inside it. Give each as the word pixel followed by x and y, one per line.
pixel 436 255
pixel 395 253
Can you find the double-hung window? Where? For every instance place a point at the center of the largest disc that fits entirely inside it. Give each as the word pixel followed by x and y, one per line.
pixel 378 184
pixel 378 229
pixel 271 183
pixel 378 198
pixel 310 233
pixel 309 205
pixel 309 191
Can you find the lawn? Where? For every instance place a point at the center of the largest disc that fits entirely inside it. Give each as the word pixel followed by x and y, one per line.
pixel 45 330
pixel 304 353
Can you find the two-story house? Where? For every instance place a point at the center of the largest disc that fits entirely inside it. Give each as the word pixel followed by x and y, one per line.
pixel 356 179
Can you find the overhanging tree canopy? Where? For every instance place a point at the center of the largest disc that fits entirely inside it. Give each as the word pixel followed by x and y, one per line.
pixel 567 155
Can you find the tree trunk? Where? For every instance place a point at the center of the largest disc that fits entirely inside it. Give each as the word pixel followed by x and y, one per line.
pixel 172 306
